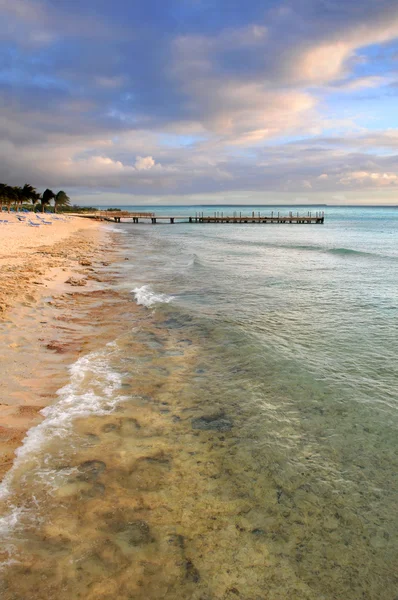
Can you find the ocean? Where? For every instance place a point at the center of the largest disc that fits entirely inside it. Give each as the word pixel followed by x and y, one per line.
pixel 237 438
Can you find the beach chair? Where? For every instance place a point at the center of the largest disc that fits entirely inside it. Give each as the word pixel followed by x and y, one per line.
pixel 33 224
pixel 44 221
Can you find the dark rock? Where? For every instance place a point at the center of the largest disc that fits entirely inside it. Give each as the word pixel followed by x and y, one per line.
pixel 177 540
pixel 159 458
pixel 110 427
pixel 173 323
pixel 258 532
pixel 215 422
pixel 138 533
pixel 90 470
pixel 191 572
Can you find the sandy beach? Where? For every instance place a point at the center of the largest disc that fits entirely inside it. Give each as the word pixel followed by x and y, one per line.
pixel 27 254
pixel 42 271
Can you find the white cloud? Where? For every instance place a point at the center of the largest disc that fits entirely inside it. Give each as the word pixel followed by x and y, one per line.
pixel 144 163
pixel 370 179
pixel 327 60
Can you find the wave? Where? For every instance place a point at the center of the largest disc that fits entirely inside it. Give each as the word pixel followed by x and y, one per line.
pixel 309 248
pixel 145 296
pixel 194 260
pixel 348 252
pixel 92 390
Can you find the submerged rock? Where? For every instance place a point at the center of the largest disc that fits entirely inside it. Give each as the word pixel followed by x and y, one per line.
pixel 258 532
pixel 191 572
pixel 110 427
pixel 138 533
pixel 215 422
pixel 90 470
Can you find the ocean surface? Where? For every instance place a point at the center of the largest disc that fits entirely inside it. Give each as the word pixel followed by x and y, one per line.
pixel 237 439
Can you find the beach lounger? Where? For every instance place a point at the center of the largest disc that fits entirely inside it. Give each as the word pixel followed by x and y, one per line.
pixel 32 224
pixel 44 221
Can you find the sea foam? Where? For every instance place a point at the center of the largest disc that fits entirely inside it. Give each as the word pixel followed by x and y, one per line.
pixel 147 297
pixel 92 390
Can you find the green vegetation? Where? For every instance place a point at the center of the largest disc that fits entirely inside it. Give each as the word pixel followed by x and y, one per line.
pixel 28 196
pixel 78 209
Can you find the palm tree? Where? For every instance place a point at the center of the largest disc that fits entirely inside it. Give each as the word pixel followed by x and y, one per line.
pixel 19 196
pixel 30 193
pixel 3 187
pixel 9 195
pixel 46 198
pixel 61 199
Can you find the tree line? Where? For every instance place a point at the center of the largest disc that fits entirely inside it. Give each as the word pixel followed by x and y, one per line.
pixel 17 196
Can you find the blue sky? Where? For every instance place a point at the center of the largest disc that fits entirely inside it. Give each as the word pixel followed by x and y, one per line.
pixel 201 101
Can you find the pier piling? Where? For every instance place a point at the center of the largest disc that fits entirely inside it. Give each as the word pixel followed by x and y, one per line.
pixel 200 217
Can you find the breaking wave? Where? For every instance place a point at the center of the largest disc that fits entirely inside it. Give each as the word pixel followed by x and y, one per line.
pixel 145 296
pixel 92 390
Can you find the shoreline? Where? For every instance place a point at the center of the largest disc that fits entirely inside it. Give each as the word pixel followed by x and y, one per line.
pixel 44 277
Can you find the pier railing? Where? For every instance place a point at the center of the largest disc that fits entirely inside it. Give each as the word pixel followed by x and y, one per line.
pixel 316 218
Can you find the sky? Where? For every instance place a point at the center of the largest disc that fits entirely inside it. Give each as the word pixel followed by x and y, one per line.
pixel 201 101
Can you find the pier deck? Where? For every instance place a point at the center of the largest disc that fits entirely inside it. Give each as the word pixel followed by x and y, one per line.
pixel 136 217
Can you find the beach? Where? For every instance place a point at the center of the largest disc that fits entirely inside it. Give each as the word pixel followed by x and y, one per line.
pixel 28 254
pixel 212 415
pixel 38 266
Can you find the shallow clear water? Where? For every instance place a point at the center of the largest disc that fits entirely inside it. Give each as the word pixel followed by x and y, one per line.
pixel 237 440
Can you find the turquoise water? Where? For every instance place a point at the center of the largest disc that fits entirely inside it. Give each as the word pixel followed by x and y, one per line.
pixel 244 423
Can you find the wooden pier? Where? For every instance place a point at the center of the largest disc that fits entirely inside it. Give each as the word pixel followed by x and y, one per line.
pixel 291 218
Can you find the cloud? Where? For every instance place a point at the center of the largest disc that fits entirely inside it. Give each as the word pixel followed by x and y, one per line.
pixel 366 179
pixel 198 97
pixel 244 111
pixel 144 164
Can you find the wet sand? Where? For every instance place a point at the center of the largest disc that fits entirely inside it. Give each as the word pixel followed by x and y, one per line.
pixel 41 272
